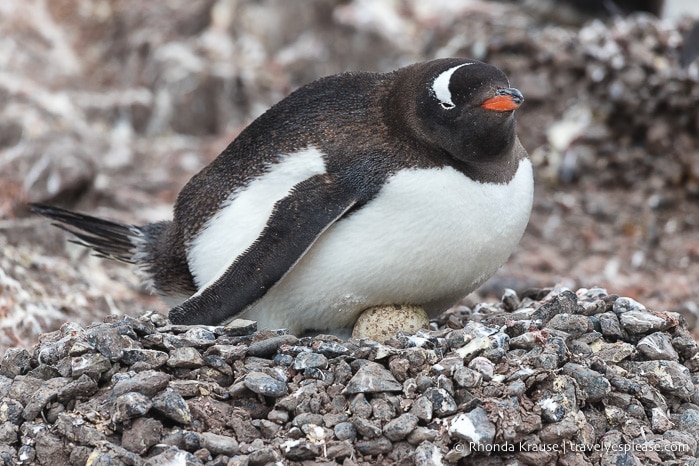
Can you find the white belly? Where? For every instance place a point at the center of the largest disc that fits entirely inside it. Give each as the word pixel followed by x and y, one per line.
pixel 429 238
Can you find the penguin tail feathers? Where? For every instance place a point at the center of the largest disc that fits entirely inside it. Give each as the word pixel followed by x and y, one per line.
pixel 111 240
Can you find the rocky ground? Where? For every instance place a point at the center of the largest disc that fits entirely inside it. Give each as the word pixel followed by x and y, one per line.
pixel 110 107
pixel 551 377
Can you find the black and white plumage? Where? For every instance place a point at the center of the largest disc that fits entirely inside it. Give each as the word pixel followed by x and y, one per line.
pixel 359 189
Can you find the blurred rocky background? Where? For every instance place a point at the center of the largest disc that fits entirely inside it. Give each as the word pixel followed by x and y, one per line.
pixel 110 106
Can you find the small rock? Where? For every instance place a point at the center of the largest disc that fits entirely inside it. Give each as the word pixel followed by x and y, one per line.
pixel 510 300
pixel 219 444
pixel 623 304
pixel 610 325
pixel 366 428
pixel 443 403
pixel 669 376
pixel 173 456
pixel 331 349
pixel 345 431
pixel 143 434
pixel 238 327
pixel 339 450
pixel 372 378
pixel 428 454
pixel 146 358
pixel 148 382
pixel 483 366
pixel 573 324
pixel 129 406
pixel 269 346
pixel 689 422
pixel 261 383
pixel 15 361
pixel 360 407
pixel 422 408
pixel 593 384
pixel 278 416
pixel 307 418
pixel 299 450
pixel 198 337
pixel 107 340
pixel 640 322
pixel 400 427
pixel 421 434
pixel 657 346
pixel 660 423
pixel 262 456
pixel 473 426
pixel 170 404
pixel 185 357
pixel 92 364
pixel 310 360
pixel 373 447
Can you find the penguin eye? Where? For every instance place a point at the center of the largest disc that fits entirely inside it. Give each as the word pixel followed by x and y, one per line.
pixel 447 105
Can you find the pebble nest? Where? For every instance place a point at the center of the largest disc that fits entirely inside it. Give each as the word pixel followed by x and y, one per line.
pixel 548 377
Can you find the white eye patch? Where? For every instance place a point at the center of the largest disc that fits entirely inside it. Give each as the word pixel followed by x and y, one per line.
pixel 440 86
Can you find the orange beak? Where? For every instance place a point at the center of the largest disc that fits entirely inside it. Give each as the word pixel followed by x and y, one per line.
pixel 505 100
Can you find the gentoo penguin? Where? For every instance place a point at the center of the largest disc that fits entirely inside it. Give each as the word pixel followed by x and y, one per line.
pixel 359 189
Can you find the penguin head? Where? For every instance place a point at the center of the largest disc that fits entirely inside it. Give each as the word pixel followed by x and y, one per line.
pixel 466 108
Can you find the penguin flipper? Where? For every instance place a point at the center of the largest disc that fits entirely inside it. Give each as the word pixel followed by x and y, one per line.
pixel 295 224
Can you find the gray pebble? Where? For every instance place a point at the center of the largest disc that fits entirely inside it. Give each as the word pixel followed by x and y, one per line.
pixel 185 357
pixel 640 322
pixel 360 407
pixel 443 403
pixel 92 364
pixel 610 325
pixel 129 406
pixel 269 346
pixel 107 340
pixel 669 376
pixel 299 450
pixel 143 434
pixel 421 434
pixel 345 431
pixel 689 422
pixel 382 409
pixel 170 404
pixel 148 382
pixel 422 408
pixel 219 444
pixel 198 337
pixel 428 454
pixel 657 346
pixel 261 383
pixel 400 427
pixel 146 358
pixel 366 428
pixel 15 361
pixel 483 366
pixel 573 324
pixel 373 447
pixel 307 418
pixel 278 416
pixel 473 426
pixel 372 378
pixel 594 384
pixel 623 304
pixel 331 349
pixel 310 360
